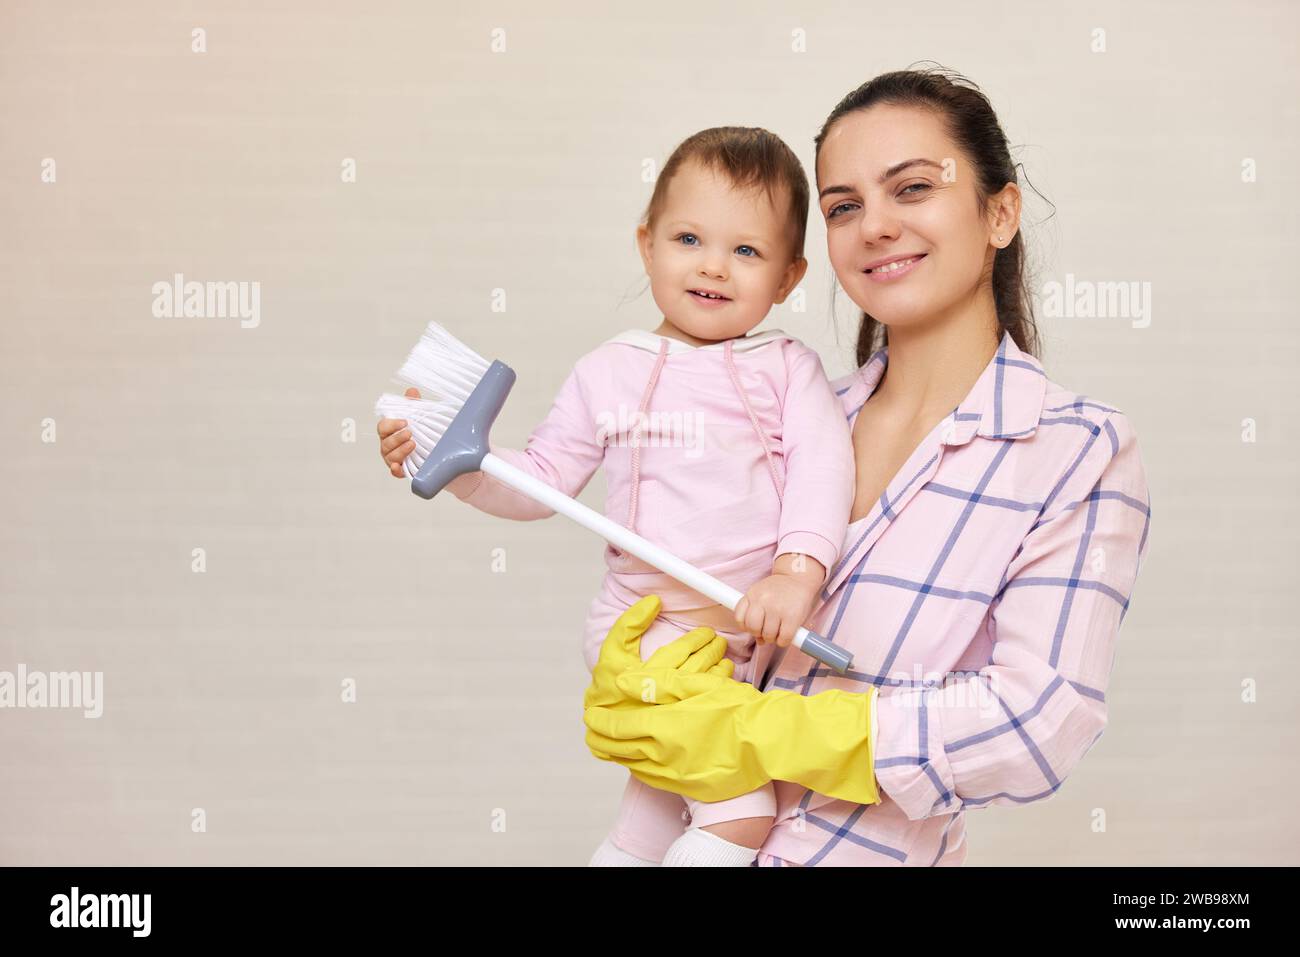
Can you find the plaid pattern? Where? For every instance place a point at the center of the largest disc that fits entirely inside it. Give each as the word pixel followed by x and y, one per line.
pixel 983 596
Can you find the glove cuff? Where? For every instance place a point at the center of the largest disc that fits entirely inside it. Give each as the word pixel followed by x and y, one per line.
pixel 822 741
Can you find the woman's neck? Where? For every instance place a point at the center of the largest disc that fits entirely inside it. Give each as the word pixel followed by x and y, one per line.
pixel 932 367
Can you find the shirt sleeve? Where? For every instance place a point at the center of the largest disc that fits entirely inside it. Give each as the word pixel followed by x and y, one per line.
pixel 1011 733
pixel 819 466
pixel 562 451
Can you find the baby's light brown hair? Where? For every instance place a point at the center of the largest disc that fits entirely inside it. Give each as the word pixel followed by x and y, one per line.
pixel 751 157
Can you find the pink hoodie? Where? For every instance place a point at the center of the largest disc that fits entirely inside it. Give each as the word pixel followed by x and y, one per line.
pixel 727 455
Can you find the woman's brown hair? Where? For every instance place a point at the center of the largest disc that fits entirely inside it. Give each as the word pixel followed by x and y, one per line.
pixel 970 121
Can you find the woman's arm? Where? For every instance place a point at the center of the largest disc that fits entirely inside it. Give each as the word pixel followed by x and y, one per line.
pixel 562 452
pixel 1012 733
pixel 1009 734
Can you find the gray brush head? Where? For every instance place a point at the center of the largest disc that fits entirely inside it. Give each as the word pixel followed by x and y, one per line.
pixel 465 442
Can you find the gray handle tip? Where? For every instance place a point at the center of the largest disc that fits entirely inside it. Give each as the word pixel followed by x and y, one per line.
pixel 831 655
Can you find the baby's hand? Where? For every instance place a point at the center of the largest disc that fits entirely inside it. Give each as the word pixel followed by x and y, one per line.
pixel 776 607
pixel 395 442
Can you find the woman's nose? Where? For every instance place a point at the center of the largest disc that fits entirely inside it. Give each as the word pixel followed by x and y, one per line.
pixel 877 224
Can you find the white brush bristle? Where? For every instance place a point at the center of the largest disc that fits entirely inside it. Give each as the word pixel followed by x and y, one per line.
pixel 445 370
pixel 443 367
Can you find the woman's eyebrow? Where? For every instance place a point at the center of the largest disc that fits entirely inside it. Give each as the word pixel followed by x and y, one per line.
pixel 892 171
pixel 906 164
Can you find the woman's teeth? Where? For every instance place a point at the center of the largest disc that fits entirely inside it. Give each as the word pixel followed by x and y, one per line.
pixel 890 267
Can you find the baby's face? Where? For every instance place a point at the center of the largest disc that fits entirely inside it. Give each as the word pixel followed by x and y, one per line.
pixel 712 238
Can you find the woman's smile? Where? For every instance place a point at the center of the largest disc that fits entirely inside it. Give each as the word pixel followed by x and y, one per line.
pixel 893 269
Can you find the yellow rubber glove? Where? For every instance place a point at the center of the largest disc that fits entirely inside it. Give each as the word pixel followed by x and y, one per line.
pixel 711 738
pixel 621 651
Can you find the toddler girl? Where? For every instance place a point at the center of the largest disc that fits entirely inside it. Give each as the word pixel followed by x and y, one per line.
pixel 729 450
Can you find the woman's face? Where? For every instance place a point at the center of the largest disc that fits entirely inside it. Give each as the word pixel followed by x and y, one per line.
pixel 894 187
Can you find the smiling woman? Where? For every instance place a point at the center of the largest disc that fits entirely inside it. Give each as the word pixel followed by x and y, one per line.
pixel 953 205
pixel 999 520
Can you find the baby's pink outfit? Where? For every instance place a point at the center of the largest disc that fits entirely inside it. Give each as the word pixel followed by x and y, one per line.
pixel 725 455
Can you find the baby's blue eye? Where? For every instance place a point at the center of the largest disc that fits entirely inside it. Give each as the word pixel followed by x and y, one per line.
pixel 685 236
pixel 752 250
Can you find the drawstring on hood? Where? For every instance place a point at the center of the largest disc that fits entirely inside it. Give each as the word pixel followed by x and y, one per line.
pixel 636 434
pixel 753 420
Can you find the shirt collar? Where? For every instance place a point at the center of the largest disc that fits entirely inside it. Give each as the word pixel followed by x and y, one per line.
pixel 1006 401
pixel 651 341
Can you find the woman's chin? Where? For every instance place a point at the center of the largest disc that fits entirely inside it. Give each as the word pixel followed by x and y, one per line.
pixel 896 315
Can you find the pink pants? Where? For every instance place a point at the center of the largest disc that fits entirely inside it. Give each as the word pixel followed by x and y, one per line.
pixel 649 820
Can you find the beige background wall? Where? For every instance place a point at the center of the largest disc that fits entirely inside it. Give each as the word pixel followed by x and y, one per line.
pixel 522 170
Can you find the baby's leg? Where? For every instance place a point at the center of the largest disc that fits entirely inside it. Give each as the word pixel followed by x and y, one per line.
pixel 667 627
pixel 610 855
pixel 605 610
pixel 649 821
pixel 742 820
pixel 725 833
pixel 722 833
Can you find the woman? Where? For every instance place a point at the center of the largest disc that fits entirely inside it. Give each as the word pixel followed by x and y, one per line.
pixel 998 525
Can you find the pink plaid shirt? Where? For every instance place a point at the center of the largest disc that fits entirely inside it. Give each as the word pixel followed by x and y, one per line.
pixel 983 596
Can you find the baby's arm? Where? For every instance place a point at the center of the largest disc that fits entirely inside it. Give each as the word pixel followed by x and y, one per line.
pixel 819 464
pixel 777 606
pixel 562 452
pixel 818 498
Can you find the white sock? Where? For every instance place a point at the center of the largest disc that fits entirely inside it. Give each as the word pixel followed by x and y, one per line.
pixel 607 855
pixel 700 848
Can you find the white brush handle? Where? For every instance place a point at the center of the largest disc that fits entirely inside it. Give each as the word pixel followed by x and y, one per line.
pixel 648 551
